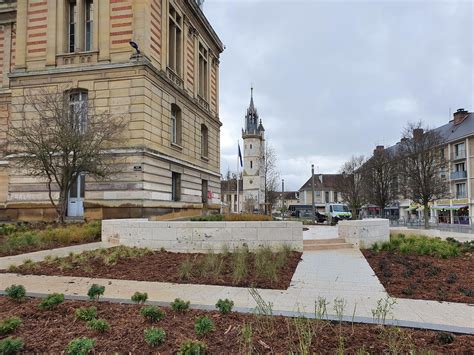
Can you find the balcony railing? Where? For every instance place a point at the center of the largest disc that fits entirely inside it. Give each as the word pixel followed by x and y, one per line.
pixel 458 175
pixel 461 196
pixel 458 155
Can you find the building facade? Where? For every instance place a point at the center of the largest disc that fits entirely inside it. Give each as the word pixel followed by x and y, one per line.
pixel 324 191
pixel 167 92
pixel 457 153
pixel 253 174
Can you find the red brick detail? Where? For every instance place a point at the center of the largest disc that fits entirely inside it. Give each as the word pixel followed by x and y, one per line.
pixel 37 19
pixel 37 27
pixel 119 17
pixel 37 50
pixel 122 8
pixel 42 11
pixel 33 43
pixel 120 33
pixel 41 34
pixel 120 41
pixel 34 4
pixel 122 24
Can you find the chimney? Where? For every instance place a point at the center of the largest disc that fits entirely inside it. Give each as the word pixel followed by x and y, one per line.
pixel 379 149
pixel 459 116
pixel 417 134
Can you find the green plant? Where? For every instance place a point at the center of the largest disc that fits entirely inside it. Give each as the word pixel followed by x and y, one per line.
pixel 185 269
pixel 246 339
pixel 203 326
pixel 154 336
pixel 80 346
pixel 9 325
pixel 240 259
pixel 179 305
pixel 95 291
pixel 445 338
pixel 265 265
pixel 86 313
pixel 383 309
pixel 139 298
pixel 52 301
pixel 152 313
pixel 99 325
pixel 320 308
pixel 11 345
pixel 190 347
pixel 224 306
pixel 16 292
pixel 339 307
pixel 264 313
pixel 304 332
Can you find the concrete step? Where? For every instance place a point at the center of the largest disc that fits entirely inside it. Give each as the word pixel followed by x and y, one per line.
pixel 330 246
pixel 323 241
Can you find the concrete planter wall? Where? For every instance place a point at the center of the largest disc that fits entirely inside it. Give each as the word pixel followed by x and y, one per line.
pixel 462 237
pixel 366 232
pixel 199 237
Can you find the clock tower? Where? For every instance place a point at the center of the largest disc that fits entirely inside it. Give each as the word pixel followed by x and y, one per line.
pixel 254 159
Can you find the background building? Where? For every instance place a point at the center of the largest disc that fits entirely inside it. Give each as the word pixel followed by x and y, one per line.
pixel 324 191
pixel 254 160
pixel 457 152
pixel 168 95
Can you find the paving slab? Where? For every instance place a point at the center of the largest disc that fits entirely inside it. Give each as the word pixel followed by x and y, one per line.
pixel 16 260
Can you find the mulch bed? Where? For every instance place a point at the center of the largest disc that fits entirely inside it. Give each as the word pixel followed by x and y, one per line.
pixel 164 266
pixel 424 277
pixel 50 332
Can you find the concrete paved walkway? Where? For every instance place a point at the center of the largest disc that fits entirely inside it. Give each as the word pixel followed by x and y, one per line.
pixel 16 260
pixel 343 274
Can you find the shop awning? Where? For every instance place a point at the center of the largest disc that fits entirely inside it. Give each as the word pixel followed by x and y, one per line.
pixel 449 208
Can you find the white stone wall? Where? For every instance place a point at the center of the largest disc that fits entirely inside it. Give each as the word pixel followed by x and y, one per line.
pixel 364 233
pixel 200 237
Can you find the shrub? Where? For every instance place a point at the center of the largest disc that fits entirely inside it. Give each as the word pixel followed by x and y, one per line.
pixel 99 325
pixel 11 345
pixel 154 336
pixel 190 347
pixel 179 305
pixel 185 269
pixel 452 278
pixel 52 301
pixel 16 292
pixel 224 306
pixel 422 245
pixel 240 264
pixel 152 313
pixel 139 298
pixel 95 291
pixel 86 313
pixel 9 325
pixel 445 338
pixel 80 346
pixel 203 326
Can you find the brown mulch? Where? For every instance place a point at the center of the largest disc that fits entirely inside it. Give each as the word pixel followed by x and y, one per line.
pixel 424 277
pixel 164 266
pixel 50 332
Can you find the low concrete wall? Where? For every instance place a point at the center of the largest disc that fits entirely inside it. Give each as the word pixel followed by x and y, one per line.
pixel 199 237
pixel 364 233
pixel 462 237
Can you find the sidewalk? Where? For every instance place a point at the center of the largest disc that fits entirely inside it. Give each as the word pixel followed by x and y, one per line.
pixel 343 274
pixel 16 260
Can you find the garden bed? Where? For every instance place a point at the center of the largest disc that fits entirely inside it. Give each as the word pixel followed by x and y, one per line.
pixel 18 239
pixel 50 331
pixel 424 268
pixel 262 269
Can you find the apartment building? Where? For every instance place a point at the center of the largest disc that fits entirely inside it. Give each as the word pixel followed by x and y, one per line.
pixel 457 151
pixel 167 91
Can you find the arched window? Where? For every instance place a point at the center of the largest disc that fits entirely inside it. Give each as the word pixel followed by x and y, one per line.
pixel 175 124
pixel 204 141
pixel 78 109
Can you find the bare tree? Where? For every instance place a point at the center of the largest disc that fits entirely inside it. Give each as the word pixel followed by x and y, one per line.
pixel 271 174
pixel 60 136
pixel 380 177
pixel 352 184
pixel 421 164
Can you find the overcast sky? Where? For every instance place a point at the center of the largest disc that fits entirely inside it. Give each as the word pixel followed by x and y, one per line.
pixel 334 79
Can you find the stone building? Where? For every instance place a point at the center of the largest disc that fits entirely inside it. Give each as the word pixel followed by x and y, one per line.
pixel 168 94
pixel 253 175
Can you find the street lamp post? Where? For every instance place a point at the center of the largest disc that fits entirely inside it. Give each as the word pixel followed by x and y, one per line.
pixel 312 196
pixel 283 197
